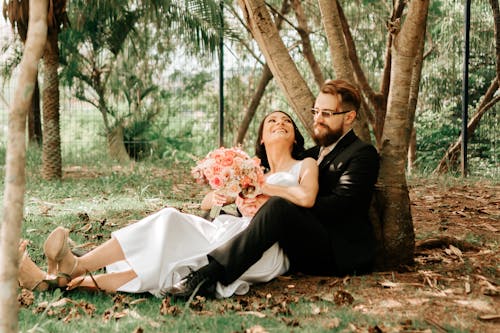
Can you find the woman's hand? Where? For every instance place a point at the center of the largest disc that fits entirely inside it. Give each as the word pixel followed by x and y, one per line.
pixel 215 199
pixel 249 206
pixel 219 199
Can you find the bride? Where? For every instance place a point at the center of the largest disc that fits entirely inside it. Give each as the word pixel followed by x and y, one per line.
pixel 157 252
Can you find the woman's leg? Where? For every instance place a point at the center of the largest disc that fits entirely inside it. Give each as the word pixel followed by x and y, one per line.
pixel 67 266
pixel 107 253
pixel 109 282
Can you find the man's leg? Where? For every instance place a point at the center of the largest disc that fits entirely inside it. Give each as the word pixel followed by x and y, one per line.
pixel 304 240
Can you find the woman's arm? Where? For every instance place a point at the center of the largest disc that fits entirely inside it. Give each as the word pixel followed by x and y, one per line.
pixel 303 194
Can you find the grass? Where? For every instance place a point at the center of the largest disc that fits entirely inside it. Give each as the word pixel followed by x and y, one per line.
pixel 94 201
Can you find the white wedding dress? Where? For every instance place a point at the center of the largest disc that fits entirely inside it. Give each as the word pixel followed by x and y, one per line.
pixel 164 247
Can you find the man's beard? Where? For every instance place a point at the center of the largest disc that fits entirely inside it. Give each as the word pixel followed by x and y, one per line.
pixel 327 138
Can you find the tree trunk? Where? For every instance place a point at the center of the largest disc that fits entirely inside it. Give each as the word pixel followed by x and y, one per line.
pixel 374 98
pixel 116 146
pixel 392 194
pixel 278 59
pixel 496 16
pixel 265 78
pixel 15 178
pixel 412 151
pixel 340 56
pixel 51 152
pixel 303 31
pixel 34 121
pixel 393 27
pixel 412 103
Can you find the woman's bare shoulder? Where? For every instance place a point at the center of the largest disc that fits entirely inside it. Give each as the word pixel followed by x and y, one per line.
pixel 309 162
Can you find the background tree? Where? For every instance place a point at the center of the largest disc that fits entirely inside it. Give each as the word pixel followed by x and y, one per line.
pixel 116 53
pixel 488 100
pixel 15 181
pixel 18 14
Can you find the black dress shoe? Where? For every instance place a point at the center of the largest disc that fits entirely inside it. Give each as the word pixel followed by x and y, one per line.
pixel 196 283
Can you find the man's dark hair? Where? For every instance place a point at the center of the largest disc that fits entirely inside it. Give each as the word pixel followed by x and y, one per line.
pixel 349 94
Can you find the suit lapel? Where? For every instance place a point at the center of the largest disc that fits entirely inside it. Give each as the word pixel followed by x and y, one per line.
pixel 341 145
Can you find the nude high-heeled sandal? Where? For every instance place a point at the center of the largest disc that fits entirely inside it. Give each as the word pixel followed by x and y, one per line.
pixel 30 276
pixel 58 255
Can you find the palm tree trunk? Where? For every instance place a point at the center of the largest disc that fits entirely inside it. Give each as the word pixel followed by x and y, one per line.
pixel 51 152
pixel 15 178
pixel 398 233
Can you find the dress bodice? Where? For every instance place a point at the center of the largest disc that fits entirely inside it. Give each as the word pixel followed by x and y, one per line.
pixel 286 178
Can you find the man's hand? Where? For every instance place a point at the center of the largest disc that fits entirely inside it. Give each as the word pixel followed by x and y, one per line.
pixel 249 206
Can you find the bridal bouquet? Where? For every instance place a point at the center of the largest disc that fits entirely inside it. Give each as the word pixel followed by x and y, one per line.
pixel 230 171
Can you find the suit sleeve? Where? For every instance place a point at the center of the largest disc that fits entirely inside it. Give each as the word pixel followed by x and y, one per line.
pixel 351 186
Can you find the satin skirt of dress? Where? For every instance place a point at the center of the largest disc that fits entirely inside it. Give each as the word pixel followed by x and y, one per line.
pixel 164 247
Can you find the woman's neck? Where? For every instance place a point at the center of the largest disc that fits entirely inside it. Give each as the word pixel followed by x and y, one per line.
pixel 279 158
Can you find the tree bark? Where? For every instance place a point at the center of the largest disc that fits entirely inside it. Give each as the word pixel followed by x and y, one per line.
pixel 392 194
pixel 265 78
pixel 304 32
pixel 412 151
pixel 340 56
pixel 393 27
pixel 51 149
pixel 15 178
pixel 412 103
pixel 496 16
pixel 278 59
pixel 34 121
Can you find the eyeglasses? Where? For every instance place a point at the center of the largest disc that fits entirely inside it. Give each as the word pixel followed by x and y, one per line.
pixel 325 113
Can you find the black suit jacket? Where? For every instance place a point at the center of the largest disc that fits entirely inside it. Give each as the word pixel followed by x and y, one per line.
pixel 347 176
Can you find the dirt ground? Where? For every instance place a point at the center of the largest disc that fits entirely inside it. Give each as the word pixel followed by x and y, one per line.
pixel 455 280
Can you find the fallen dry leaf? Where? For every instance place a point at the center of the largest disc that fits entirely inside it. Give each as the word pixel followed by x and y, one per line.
pixel 390 303
pixel 490 317
pixel 25 298
pixel 333 323
pixel 167 309
pixel 476 304
pixel 256 329
pixel 252 313
pixel 198 303
pixel 291 322
pixel 342 297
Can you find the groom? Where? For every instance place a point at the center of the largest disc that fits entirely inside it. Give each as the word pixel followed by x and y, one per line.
pixel 335 237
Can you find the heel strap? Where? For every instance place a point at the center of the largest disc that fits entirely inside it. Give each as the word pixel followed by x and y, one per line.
pixel 67 276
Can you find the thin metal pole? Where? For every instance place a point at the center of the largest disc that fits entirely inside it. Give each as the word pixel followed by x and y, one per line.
pixel 221 75
pixel 465 91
